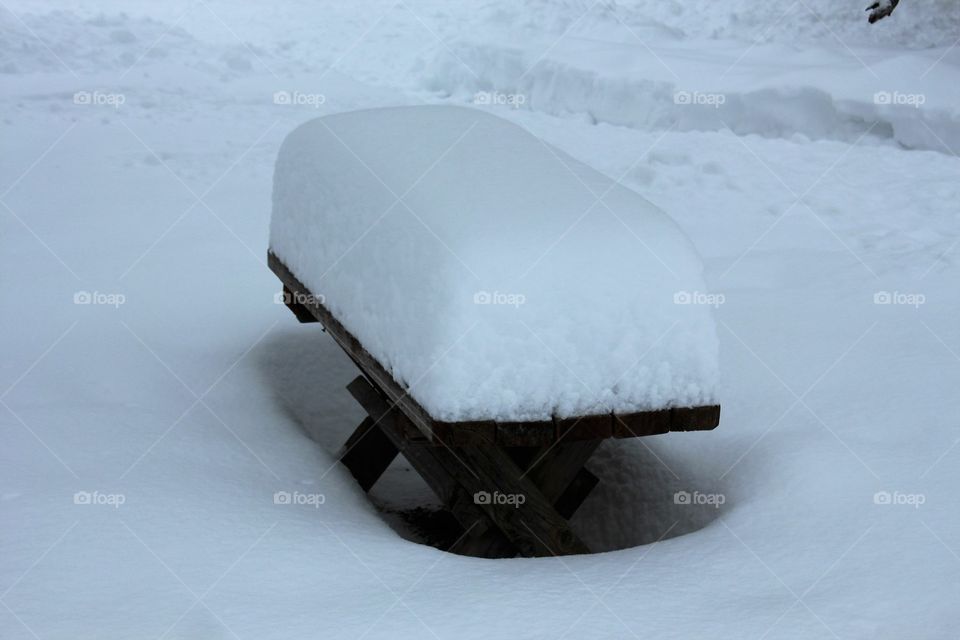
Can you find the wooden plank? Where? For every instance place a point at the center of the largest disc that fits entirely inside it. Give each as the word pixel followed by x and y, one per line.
pixel 367 453
pixel 472 519
pixel 519 509
pixel 407 427
pixel 534 526
pixel 386 416
pixel 559 474
pixel 430 462
pixel 553 468
pixel 301 312
pixel 593 427
pixel 523 456
pixel 576 492
pixel 525 434
pixel 695 418
pixel 462 434
pixel 642 424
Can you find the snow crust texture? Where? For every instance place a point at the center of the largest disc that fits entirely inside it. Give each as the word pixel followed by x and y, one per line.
pixel 494 275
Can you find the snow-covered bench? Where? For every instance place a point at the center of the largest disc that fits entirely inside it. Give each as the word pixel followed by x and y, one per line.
pixel 508 306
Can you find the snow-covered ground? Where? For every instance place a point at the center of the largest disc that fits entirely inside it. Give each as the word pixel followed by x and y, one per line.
pixel 147 369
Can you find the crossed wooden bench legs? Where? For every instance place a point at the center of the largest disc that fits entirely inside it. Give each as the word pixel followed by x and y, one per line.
pixel 508 500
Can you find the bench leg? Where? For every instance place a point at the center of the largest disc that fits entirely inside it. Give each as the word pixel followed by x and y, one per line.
pixel 367 453
pixel 571 499
pixel 430 462
pixel 558 472
pixel 502 506
pixel 516 505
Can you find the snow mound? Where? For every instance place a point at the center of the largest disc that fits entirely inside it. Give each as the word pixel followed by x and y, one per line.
pixel 903 98
pixel 68 42
pixel 918 24
pixel 493 275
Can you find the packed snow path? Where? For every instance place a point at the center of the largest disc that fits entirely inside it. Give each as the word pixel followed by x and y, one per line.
pixel 154 397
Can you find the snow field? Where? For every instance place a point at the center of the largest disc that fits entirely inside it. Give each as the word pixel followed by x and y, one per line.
pixel 805 545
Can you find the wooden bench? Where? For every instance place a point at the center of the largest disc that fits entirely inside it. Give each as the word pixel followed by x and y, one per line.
pixel 512 486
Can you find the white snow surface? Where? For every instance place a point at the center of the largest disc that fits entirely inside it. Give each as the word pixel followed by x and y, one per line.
pixel 198 398
pixel 495 277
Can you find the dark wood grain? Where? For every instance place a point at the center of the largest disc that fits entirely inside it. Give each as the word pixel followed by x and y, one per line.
pixel 367 453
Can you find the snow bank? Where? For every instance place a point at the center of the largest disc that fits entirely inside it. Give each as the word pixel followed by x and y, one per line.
pixel 905 97
pixel 492 274
pixel 917 24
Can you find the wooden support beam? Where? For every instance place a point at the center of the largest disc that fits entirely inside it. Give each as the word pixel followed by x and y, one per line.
pixel 464 477
pixel 558 472
pixel 553 468
pixel 576 492
pixel 517 506
pixel 367 453
pixel 302 313
pixel 430 462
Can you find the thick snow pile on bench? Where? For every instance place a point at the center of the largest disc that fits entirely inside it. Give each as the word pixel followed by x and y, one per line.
pixel 494 276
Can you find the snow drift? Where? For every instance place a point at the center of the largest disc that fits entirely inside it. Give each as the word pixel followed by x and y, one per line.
pixel 628 85
pixel 493 275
